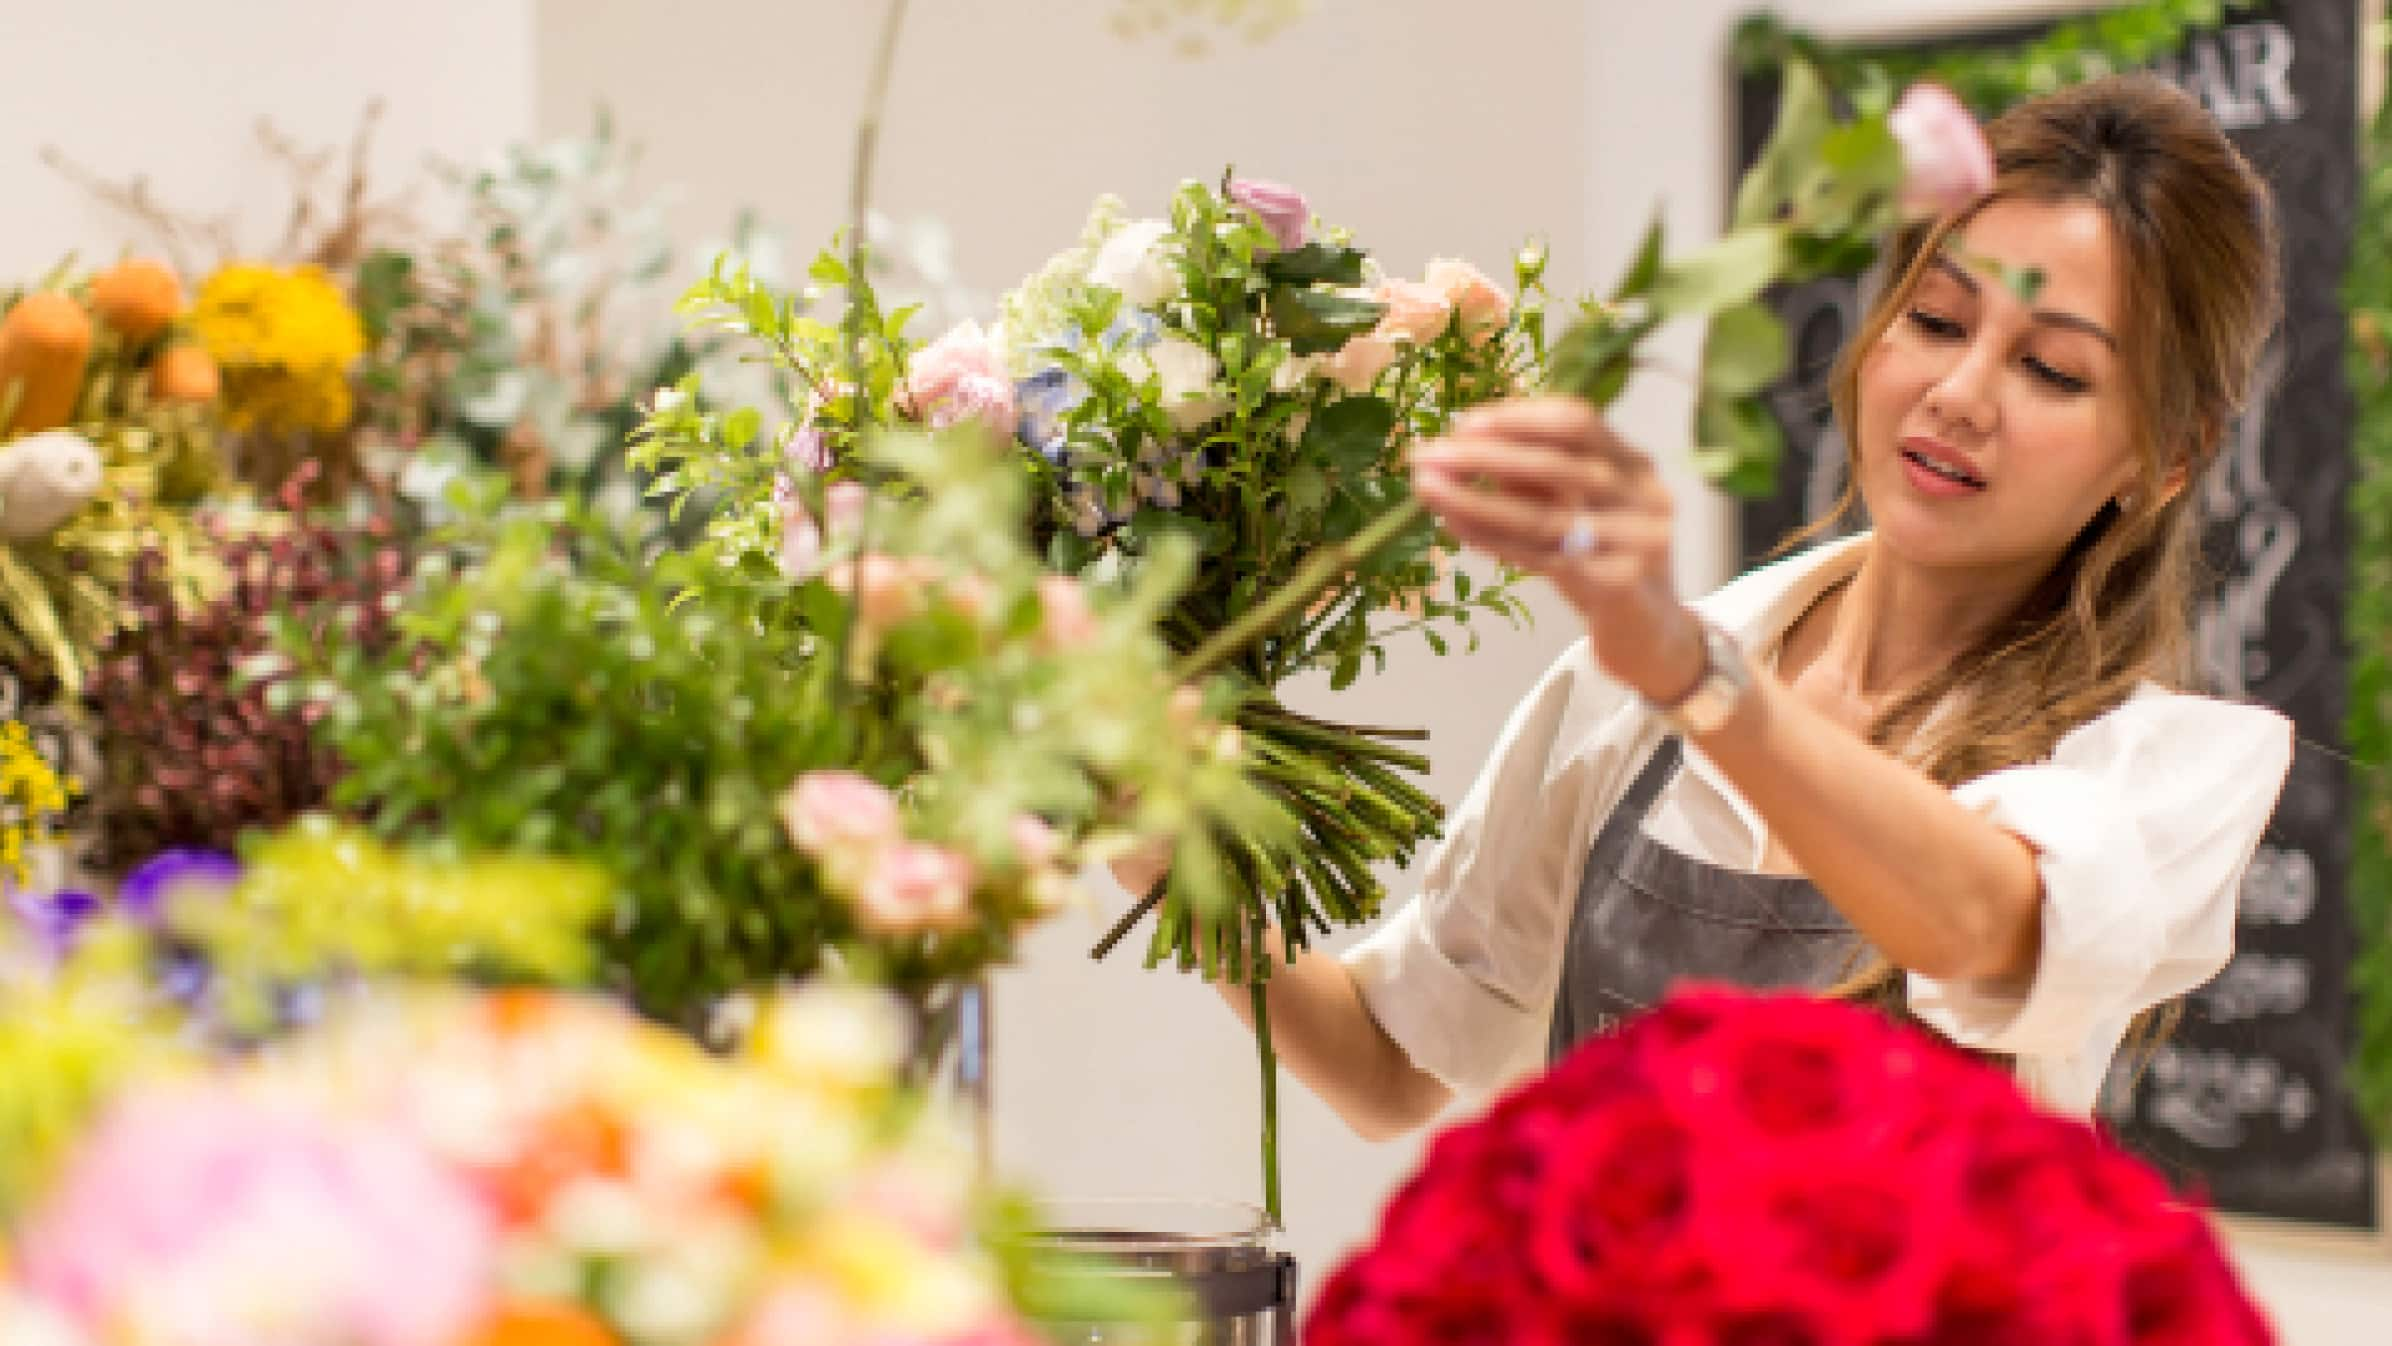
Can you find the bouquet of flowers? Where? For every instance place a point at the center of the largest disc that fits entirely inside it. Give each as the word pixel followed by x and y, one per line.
pixel 1733 1168
pixel 1230 380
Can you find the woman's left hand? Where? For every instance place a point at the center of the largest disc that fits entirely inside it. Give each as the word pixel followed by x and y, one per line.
pixel 1544 484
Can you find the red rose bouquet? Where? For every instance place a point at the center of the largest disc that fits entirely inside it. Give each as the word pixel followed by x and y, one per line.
pixel 1744 1170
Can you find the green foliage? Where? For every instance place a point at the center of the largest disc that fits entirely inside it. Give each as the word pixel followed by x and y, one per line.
pixel 1819 196
pixel 646 710
pixel 2367 295
pixel 2123 38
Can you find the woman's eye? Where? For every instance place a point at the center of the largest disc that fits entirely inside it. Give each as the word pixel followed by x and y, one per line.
pixel 1936 325
pixel 2053 378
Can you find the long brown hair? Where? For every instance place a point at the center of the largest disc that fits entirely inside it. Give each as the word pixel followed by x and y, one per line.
pixel 2194 228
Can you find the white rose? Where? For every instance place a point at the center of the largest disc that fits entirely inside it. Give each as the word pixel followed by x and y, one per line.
pixel 1185 372
pixel 1137 261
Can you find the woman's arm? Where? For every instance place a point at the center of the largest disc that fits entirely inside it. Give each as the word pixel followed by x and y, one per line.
pixel 1938 889
pixel 1326 1038
pixel 1321 1030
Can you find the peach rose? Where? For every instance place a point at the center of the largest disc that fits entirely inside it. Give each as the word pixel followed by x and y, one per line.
pixel 1416 313
pixel 1357 364
pixel 1478 302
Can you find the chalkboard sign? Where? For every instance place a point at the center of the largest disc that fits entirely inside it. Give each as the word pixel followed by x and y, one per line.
pixel 2246 1100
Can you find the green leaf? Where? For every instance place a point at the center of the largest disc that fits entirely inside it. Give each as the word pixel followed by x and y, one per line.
pixel 1744 352
pixel 1804 118
pixel 1316 322
pixel 740 427
pixel 1350 434
pixel 1315 264
pixel 1646 269
pixel 1732 271
pixel 1740 445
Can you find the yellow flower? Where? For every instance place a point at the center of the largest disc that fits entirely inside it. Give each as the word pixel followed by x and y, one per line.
pixel 285 341
pixel 31 798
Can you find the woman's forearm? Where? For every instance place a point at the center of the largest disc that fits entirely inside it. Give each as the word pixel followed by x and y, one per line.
pixel 1327 1038
pixel 1938 889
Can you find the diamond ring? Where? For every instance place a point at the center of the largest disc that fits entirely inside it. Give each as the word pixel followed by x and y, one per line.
pixel 1580 538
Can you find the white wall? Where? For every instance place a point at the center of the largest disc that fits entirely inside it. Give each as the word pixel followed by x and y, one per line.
pixel 1429 127
pixel 172 91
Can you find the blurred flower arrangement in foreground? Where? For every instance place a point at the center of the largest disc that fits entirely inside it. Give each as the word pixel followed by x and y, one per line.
pixel 449 1167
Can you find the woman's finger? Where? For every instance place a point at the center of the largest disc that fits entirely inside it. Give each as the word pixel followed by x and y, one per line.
pixel 1524 468
pixel 1542 529
pixel 1564 422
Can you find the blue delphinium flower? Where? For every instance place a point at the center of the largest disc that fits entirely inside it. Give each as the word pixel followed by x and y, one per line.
pixel 1045 398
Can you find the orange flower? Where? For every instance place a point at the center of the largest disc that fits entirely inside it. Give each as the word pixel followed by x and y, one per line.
pixel 582 1141
pixel 541 1324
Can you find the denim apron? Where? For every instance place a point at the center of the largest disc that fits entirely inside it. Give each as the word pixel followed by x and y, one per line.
pixel 1648 917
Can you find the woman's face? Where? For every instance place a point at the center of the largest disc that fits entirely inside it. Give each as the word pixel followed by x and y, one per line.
pixel 1992 430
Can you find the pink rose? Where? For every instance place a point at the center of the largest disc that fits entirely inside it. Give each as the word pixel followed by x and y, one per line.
pixel 1416 313
pixel 1068 620
pixel 840 816
pixel 1480 304
pixel 914 886
pixel 1280 208
pixel 1944 155
pixel 1357 364
pixel 961 376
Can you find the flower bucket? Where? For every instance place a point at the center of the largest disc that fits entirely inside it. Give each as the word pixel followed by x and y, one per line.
pixel 1218 1256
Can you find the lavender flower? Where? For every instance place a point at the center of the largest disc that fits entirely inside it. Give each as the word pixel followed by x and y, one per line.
pixel 157 880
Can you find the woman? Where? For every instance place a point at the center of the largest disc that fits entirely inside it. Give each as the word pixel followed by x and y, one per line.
pixel 1950 758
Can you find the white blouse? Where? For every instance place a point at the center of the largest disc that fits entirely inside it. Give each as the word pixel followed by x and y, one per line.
pixel 2143 821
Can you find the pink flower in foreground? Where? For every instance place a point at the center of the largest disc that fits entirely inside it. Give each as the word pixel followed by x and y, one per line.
pixel 195 1217
pixel 834 814
pixel 1946 163
pixel 913 887
pixel 1281 209
pixel 1477 301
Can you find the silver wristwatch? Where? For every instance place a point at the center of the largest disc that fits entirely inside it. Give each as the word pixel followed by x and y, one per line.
pixel 1726 678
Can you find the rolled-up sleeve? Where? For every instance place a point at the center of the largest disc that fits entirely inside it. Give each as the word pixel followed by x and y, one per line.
pixel 2142 824
pixel 1461 976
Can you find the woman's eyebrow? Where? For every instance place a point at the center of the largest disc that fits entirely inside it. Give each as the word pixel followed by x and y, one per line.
pixel 2050 317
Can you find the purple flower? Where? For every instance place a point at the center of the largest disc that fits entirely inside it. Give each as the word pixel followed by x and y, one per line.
pixel 158 879
pixel 54 918
pixel 1280 208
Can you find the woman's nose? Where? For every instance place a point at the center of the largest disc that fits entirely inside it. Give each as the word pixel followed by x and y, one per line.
pixel 1964 395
